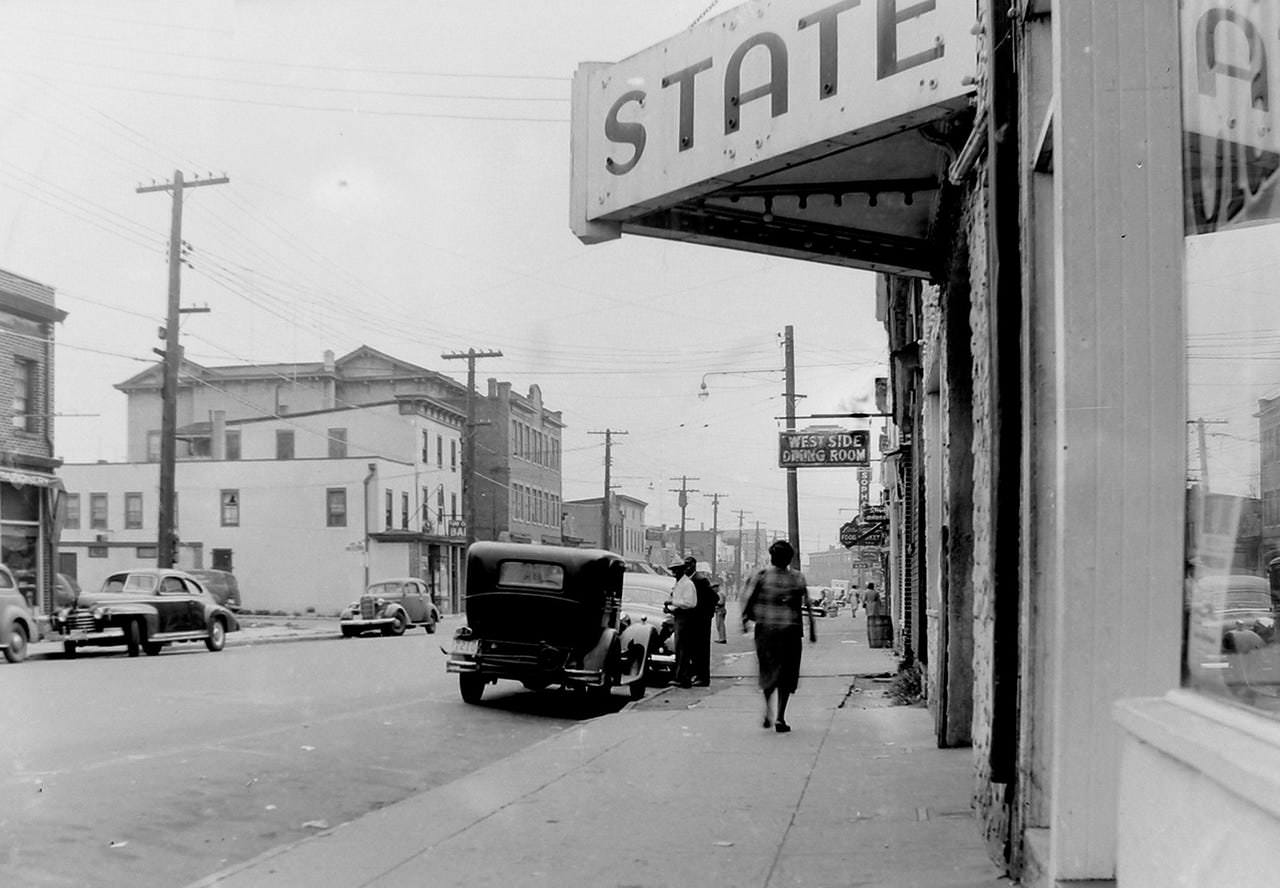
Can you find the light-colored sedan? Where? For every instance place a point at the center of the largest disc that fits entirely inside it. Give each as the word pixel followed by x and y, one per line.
pixel 18 626
pixel 390 607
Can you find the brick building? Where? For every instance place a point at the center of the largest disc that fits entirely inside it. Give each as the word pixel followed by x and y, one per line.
pixel 29 487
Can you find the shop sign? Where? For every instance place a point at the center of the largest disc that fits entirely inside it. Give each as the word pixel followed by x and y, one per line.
pixel 848 534
pixel 824 449
pixel 1231 112
pixel 729 97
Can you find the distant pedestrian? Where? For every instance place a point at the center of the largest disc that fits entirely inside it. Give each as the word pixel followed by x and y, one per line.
pixel 721 610
pixel 775 603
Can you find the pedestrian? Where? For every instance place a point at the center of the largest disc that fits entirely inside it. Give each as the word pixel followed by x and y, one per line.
pixel 721 610
pixel 683 608
pixel 700 654
pixel 775 603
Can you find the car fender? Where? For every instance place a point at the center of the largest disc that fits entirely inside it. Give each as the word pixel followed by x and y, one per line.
pixel 120 614
pixel 597 657
pixel 645 637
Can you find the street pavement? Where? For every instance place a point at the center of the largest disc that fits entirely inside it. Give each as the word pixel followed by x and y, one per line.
pixel 682 788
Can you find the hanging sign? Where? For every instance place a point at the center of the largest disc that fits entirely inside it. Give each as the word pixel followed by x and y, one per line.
pixel 823 449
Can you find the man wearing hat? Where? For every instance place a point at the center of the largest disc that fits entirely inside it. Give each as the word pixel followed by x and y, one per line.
pixel 700 654
pixel 683 607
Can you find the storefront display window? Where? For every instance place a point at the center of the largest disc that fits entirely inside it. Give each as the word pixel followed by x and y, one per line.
pixel 1231 175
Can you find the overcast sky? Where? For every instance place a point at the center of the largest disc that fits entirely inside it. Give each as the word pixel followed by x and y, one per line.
pixel 400 178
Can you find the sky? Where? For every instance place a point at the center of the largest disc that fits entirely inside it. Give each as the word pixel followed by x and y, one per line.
pixel 399 178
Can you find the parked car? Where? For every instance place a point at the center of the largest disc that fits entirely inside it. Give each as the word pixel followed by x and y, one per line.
pixel 548 615
pixel 144 609
pixel 391 607
pixel 66 589
pixel 221 584
pixel 644 600
pixel 18 626
pixel 1233 644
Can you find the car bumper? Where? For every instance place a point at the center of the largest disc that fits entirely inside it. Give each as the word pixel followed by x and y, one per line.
pixel 84 636
pixel 361 624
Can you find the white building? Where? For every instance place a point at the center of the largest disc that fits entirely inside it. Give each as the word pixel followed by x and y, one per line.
pixel 303 508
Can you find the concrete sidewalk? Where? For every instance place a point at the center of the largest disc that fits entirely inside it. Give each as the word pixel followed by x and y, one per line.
pixel 685 788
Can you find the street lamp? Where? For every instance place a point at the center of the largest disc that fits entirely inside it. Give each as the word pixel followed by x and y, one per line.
pixel 703 393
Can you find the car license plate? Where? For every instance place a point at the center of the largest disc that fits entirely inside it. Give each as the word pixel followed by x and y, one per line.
pixel 468 648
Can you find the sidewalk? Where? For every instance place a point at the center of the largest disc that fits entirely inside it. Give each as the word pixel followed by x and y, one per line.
pixel 685 788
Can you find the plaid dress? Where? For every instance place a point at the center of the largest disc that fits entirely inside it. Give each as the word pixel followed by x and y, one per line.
pixel 776 604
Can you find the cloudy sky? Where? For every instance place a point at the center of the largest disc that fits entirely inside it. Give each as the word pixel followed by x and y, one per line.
pixel 400 178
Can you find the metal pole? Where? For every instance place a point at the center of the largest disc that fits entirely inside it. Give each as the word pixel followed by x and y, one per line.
pixel 793 507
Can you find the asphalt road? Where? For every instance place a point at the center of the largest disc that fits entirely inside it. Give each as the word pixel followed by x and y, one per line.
pixel 157 771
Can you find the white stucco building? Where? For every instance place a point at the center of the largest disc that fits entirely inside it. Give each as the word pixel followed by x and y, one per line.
pixel 303 508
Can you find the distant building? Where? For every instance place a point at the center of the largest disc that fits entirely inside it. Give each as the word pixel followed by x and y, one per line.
pixel 29 487
pixel 518 440
pixel 582 520
pixel 303 508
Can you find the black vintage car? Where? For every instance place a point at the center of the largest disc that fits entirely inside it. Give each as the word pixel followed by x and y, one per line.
pixel 548 615
pixel 144 609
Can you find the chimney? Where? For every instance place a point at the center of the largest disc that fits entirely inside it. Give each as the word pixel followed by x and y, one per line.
pixel 328 360
pixel 328 385
pixel 218 434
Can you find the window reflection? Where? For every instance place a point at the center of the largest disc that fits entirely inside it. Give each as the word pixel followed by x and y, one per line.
pixel 1231 174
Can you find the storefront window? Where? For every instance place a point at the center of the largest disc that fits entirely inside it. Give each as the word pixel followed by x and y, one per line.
pixel 1231 174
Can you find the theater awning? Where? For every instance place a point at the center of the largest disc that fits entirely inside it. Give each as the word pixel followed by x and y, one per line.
pixel 800 128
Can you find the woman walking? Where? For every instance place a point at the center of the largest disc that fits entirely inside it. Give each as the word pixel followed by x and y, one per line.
pixel 776 603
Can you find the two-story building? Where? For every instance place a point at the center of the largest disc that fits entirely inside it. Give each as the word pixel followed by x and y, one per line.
pixel 305 508
pixel 28 486
pixel 584 518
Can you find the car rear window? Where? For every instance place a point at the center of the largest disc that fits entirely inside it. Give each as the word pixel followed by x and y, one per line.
pixel 531 575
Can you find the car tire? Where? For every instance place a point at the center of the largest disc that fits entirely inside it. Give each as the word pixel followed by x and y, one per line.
pixel 471 686
pixel 348 632
pixel 69 649
pixel 16 652
pixel 636 689
pixel 151 648
pixel 398 622
pixel 217 639
pixel 431 627
pixel 134 634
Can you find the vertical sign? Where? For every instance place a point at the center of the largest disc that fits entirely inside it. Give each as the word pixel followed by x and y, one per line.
pixel 864 488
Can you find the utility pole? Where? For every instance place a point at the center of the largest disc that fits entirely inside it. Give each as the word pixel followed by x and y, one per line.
pixel 715 529
pixel 469 445
pixel 737 552
pixel 793 507
pixel 605 513
pixel 167 538
pixel 756 559
pixel 684 492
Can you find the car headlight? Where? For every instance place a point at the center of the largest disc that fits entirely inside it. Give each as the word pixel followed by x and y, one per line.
pixel 98 613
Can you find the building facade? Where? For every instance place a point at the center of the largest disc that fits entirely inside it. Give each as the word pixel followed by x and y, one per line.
pixel 518 464
pixel 584 518
pixel 306 509
pixel 1073 207
pixel 518 440
pixel 29 487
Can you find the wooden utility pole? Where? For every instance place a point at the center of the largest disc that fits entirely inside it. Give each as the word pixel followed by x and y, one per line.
pixel 737 552
pixel 684 491
pixel 715 529
pixel 469 444
pixel 793 507
pixel 167 538
pixel 605 512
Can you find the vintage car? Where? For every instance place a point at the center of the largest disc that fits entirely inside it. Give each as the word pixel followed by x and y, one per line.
pixel 18 626
pixel 390 607
pixel 221 584
pixel 1233 644
pixel 548 615
pixel 144 609
pixel 644 601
